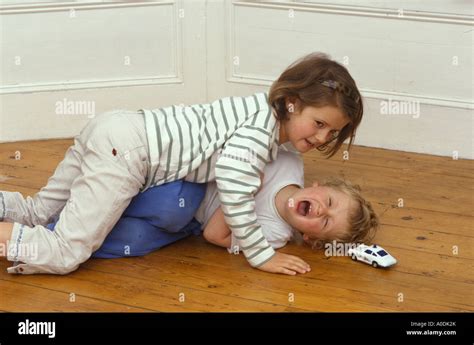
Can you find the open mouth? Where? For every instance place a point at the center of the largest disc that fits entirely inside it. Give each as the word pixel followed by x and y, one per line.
pixel 304 208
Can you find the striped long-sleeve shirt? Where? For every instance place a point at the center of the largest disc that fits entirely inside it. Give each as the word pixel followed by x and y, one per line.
pixel 230 141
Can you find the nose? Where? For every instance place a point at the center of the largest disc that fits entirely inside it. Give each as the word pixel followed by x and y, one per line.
pixel 322 209
pixel 323 136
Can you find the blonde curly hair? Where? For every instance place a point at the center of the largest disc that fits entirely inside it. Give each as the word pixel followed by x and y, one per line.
pixel 363 221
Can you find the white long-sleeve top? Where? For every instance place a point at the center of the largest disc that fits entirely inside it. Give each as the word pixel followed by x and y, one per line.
pixel 228 141
pixel 287 170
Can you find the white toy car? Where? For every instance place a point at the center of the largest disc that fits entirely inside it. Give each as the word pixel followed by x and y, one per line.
pixel 373 255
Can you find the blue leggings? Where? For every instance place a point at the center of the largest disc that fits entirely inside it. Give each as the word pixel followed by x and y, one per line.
pixel 155 218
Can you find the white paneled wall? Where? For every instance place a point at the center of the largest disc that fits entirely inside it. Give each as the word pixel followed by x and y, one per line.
pixel 113 55
pixel 150 54
pixel 98 47
pixel 422 62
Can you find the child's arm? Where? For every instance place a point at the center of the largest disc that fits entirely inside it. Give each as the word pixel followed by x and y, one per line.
pixel 217 232
pixel 236 171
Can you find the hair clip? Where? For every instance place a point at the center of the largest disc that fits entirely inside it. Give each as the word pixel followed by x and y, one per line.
pixel 330 83
pixel 339 87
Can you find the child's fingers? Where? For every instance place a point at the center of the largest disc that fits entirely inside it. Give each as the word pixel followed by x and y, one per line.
pixel 295 264
pixel 301 263
pixel 285 264
pixel 298 267
pixel 287 271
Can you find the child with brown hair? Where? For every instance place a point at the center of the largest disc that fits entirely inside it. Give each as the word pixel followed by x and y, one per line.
pixel 315 103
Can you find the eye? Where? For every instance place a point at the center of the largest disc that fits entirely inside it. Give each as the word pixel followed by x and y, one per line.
pixel 326 223
pixel 330 202
pixel 319 124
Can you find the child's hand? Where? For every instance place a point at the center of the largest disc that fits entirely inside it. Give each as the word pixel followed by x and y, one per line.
pixel 285 264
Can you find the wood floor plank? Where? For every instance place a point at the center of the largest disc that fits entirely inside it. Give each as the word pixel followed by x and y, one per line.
pixel 250 284
pixel 117 287
pixel 399 160
pixel 423 263
pixel 24 177
pixel 55 146
pixel 437 214
pixel 358 276
pixel 21 297
pixel 446 267
pixel 431 221
pixel 244 285
pixel 30 159
pixel 427 241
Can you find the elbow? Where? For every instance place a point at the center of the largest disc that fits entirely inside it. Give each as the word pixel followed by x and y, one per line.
pixel 221 240
pixel 213 238
pixel 208 236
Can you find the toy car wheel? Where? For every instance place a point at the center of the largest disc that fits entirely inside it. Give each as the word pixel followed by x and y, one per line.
pixel 374 264
pixel 354 257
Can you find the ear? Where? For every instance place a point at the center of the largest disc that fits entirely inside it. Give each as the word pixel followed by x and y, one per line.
pixel 290 100
pixel 295 104
pixel 312 243
pixel 306 237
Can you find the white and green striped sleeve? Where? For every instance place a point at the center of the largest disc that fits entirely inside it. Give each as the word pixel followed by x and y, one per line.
pixel 237 172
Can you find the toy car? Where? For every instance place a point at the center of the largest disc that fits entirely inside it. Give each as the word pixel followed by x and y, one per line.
pixel 373 255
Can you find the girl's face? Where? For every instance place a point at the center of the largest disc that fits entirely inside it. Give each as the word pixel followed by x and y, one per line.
pixel 311 127
pixel 319 212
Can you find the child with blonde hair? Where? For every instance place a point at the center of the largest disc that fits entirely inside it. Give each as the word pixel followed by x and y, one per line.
pixel 322 213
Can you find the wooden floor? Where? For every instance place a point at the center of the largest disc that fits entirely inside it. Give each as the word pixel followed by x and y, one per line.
pixel 435 221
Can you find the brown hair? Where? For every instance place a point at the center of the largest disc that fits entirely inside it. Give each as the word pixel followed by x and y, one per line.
pixel 363 221
pixel 316 80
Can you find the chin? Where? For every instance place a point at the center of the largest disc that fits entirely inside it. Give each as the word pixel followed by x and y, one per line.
pixel 302 148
